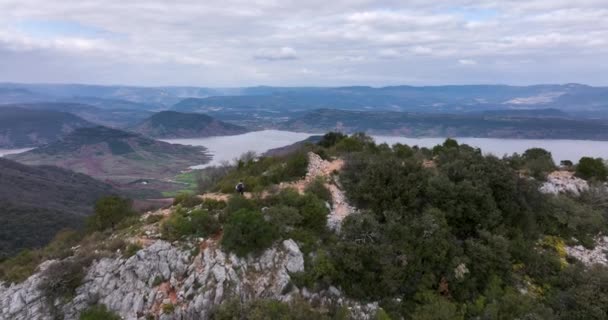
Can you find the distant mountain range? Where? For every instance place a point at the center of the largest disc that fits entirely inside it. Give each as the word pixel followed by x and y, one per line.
pixel 257 108
pixel 38 201
pixel 21 127
pixel 113 155
pixel 437 99
pixel 171 124
pixel 116 118
pixel 499 125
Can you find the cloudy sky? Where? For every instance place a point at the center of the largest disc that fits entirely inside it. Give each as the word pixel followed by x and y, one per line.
pixel 304 42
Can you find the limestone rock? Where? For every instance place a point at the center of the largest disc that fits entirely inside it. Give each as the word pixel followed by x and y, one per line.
pixel 564 182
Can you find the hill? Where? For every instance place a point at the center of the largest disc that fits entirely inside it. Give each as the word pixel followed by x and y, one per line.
pixel 38 201
pixel 171 124
pixel 431 99
pixel 371 232
pixel 452 125
pixel 115 155
pixel 20 128
pixel 109 117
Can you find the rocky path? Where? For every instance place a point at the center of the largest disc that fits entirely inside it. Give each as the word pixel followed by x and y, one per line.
pixel 317 168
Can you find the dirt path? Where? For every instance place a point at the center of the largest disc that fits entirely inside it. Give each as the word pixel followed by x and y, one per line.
pixel 317 167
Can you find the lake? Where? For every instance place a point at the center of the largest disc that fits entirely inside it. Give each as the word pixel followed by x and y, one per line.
pixel 228 148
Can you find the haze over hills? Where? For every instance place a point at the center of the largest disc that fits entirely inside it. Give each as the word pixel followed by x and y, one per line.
pixel 171 124
pixel 20 128
pixel 38 201
pixel 114 155
pixel 499 125
pixel 450 99
pixel 116 118
pixel 259 108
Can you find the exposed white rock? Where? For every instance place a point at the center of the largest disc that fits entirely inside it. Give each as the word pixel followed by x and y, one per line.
pixel 599 254
pixel 165 274
pixel 564 182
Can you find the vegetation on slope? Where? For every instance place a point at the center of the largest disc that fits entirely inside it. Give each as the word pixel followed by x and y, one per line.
pixel 116 155
pixel 20 128
pixel 171 124
pixel 37 202
pixel 442 233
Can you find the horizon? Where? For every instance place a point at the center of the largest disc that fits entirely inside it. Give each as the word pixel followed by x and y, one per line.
pixel 289 87
pixel 234 44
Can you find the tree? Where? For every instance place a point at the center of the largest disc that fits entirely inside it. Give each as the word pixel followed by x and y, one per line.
pixel 330 139
pixel 109 211
pixel 538 162
pixel 247 231
pixel 589 168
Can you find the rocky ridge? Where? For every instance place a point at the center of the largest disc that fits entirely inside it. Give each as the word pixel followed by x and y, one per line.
pixel 165 276
pixel 564 182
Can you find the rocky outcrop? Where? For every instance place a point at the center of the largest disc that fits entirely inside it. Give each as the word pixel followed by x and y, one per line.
pixel 599 254
pixel 564 182
pixel 161 275
pixel 165 281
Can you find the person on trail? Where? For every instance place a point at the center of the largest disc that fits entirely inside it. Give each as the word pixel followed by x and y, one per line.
pixel 240 188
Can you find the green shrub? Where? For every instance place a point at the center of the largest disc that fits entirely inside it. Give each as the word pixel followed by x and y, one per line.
pixel 203 223
pixel 61 278
pixel 181 224
pixel 318 188
pixel 236 203
pixel 154 218
pixel 314 213
pixel 284 217
pixel 187 200
pixel 23 265
pixel 247 232
pixel 589 168
pixel 212 204
pixel 131 250
pixel 538 162
pixel 176 226
pixel 98 312
pixel 267 310
pixel 331 138
pixel 109 211
pixel 168 308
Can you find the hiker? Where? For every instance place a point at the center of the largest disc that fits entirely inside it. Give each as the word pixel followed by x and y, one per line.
pixel 240 187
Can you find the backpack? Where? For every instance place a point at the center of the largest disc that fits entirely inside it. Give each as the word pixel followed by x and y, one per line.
pixel 240 187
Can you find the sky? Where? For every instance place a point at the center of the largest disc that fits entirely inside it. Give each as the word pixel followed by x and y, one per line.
pixel 232 43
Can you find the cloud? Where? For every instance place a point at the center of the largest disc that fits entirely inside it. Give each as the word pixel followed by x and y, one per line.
pixel 284 53
pixel 238 42
pixel 467 62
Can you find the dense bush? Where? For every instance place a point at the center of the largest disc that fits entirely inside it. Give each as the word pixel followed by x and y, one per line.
pixel 454 241
pixel 535 162
pixel 269 310
pixel 186 199
pixel 183 223
pixel 318 188
pixel 263 172
pixel 246 231
pixel 98 312
pixel 109 211
pixel 589 168
pixel 331 138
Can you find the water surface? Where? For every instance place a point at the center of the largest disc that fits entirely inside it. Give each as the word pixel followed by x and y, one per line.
pixel 228 148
